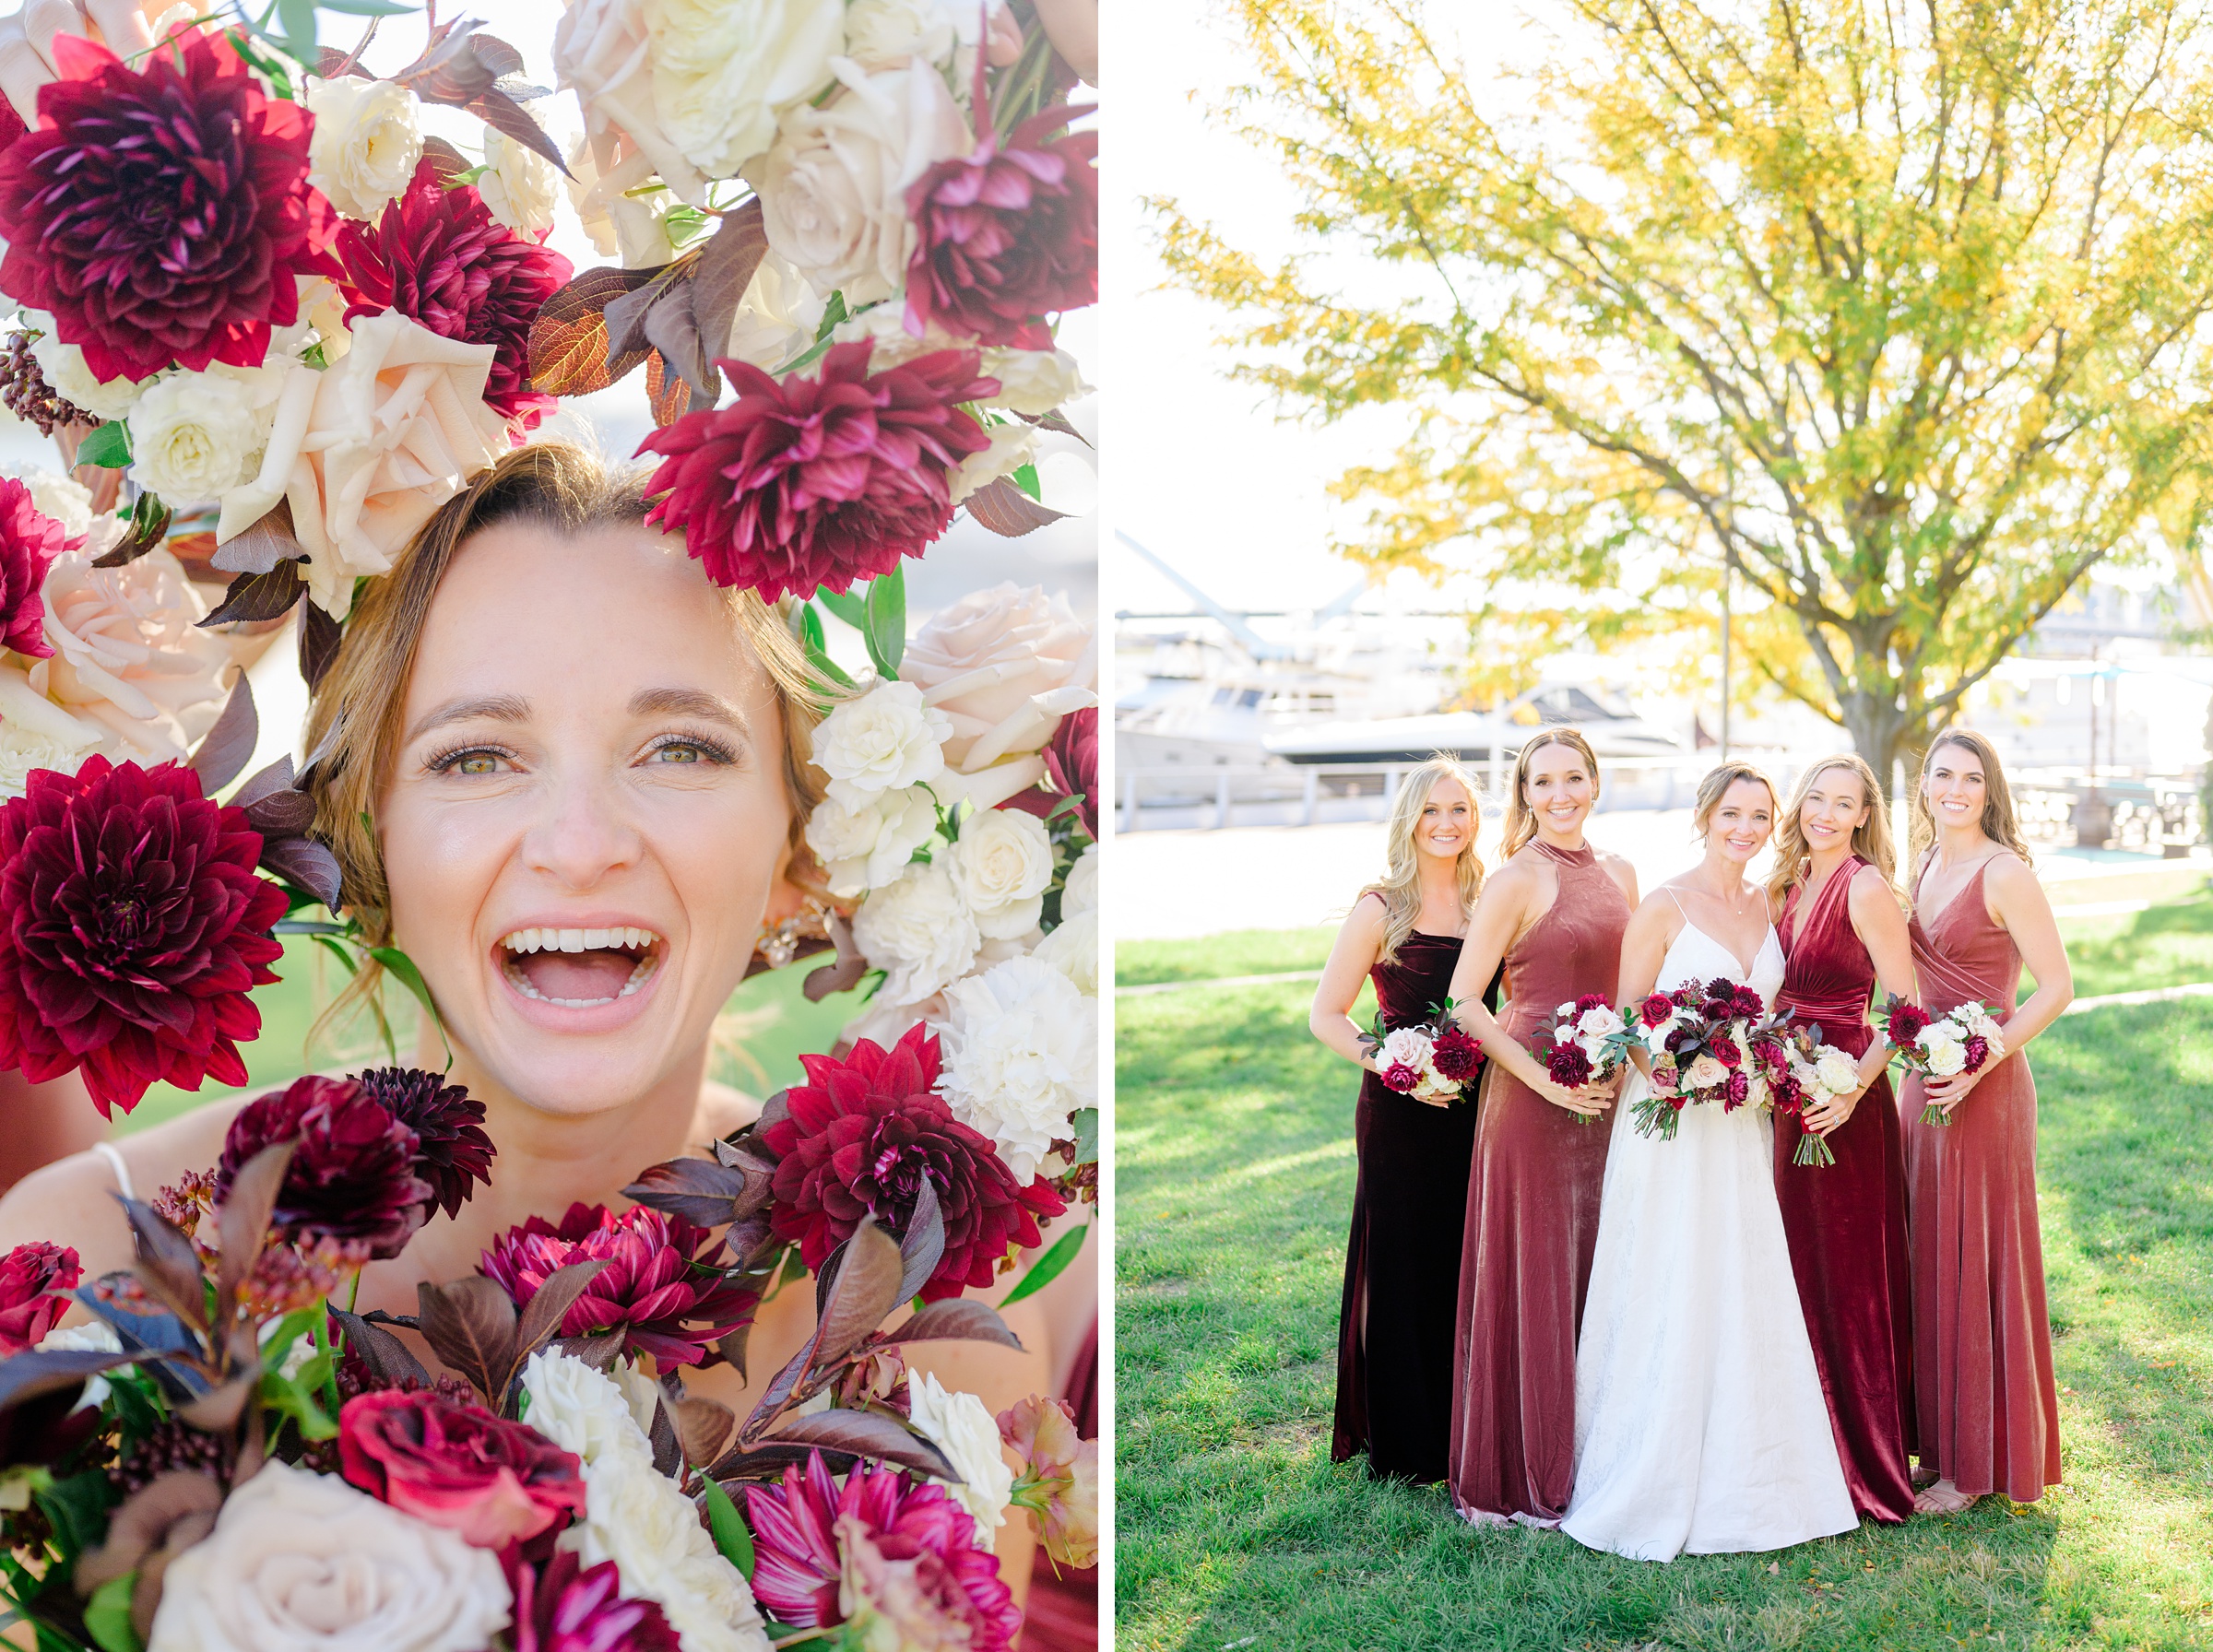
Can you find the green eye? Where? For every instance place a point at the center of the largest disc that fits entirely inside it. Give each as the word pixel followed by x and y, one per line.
pixel 477 762
pixel 679 754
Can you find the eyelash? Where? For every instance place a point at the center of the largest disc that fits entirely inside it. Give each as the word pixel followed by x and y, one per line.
pixel 713 750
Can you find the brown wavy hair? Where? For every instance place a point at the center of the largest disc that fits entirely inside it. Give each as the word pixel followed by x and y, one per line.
pixel 1713 785
pixel 1401 885
pixel 1521 819
pixel 1870 840
pixel 2000 824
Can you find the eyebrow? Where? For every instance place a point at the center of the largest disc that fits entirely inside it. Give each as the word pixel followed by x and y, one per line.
pixel 686 702
pixel 498 708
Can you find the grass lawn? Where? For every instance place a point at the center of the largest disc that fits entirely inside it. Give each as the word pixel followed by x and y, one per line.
pixel 1234 1171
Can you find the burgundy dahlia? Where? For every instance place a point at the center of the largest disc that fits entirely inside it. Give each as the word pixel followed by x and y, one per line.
pixel 1738 1091
pixel 438 257
pixel 29 540
pixel 1567 1063
pixel 816 482
pixel 451 1147
pixel 458 1466
pixel 883 1545
pixel 1975 1052
pixel 161 213
pixel 663 1289
pixel 1006 234
pixel 1400 1077
pixel 31 1277
pixel 567 1608
pixel 861 1137
pixel 1907 1023
pixel 352 1175
pixel 1456 1054
pixel 132 930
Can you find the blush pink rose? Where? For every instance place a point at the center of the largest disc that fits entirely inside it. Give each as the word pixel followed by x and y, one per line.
pixel 457 1466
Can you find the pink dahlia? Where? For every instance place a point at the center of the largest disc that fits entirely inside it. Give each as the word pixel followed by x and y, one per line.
pixel 816 482
pixel 458 1466
pixel 32 1276
pixel 437 256
pixel 860 1137
pixel 1006 235
pixel 161 213
pixel 451 1147
pixel 879 1547
pixel 29 540
pixel 567 1608
pixel 663 1289
pixel 352 1175
pixel 132 930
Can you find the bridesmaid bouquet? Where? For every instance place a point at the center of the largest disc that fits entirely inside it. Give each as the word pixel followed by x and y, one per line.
pixel 1432 1061
pixel 1589 1041
pixel 1797 1070
pixel 1698 1036
pixel 1960 1041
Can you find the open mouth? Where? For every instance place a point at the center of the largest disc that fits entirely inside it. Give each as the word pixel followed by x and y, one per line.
pixel 580 969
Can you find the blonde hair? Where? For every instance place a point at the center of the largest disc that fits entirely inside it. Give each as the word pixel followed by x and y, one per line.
pixel 1870 839
pixel 1401 885
pixel 1715 785
pixel 1999 823
pixel 1521 819
pixel 355 713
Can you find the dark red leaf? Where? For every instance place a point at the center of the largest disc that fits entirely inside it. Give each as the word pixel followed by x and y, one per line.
pixel 1007 511
pixel 223 750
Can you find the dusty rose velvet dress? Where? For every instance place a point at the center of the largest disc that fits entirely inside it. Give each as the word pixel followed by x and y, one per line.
pixel 1532 1222
pixel 1988 1408
pixel 1846 1221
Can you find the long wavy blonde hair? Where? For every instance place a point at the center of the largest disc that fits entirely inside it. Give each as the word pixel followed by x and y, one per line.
pixel 2000 824
pixel 1870 839
pixel 1401 885
pixel 1521 819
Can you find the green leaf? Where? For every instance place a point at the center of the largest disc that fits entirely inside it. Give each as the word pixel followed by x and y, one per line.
pixel 77 1510
pixel 731 1538
pixel 275 72
pixel 1047 1267
pixel 1025 477
pixel 403 970
pixel 818 653
pixel 299 19
pixel 367 8
pixel 295 1397
pixel 107 1616
pixel 852 609
pixel 1087 1135
pixel 107 447
pixel 834 312
pixel 886 629
pixel 338 952
pixel 289 1329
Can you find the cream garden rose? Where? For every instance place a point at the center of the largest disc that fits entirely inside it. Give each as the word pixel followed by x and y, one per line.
pixel 1080 892
pixel 1837 1071
pixel 887 739
pixel 194 436
pixel 130 660
pixel 958 1425
pixel 518 184
pixel 1020 1056
pixel 36 734
pixel 723 70
pixel 367 137
pixel 1003 863
pixel 777 318
pixel 1073 950
pixel 1034 382
pixel 919 931
pixel 881 32
pixel 1003 666
pixel 1012 446
pixel 862 844
pixel 63 367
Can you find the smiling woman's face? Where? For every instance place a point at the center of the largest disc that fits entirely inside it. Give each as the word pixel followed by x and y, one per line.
pixel 586 816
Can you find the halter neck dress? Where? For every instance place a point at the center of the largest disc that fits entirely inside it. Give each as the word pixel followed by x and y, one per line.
pixel 1846 1221
pixel 1402 1261
pixel 1533 1221
pixel 1987 1405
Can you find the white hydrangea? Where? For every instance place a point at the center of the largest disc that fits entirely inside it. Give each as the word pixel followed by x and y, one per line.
pixel 863 844
pixel 519 185
pixel 958 1425
pixel 194 436
pixel 367 139
pixel 1002 864
pixel 63 367
pixel 885 739
pixel 919 931
pixel 1020 1055
pixel 1073 950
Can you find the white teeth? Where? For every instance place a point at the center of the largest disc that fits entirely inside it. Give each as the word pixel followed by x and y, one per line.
pixel 576 941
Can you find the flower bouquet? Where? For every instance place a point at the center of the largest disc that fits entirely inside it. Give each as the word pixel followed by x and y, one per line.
pixel 1436 1060
pixel 1587 1045
pixel 1962 1040
pixel 1697 1036
pixel 1795 1071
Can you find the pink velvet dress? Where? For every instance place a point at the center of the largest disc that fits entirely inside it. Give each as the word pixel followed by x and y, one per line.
pixel 1987 1404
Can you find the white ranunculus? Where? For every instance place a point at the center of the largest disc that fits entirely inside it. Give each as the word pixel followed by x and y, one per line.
pixel 885 739
pixel 582 1410
pixel 918 930
pixel 1012 446
pixel 723 70
pixel 518 185
pixel 367 139
pixel 1005 665
pixel 37 734
pixel 1033 381
pixel 1837 1072
pixel 129 657
pixel 63 367
pixel 778 317
pixel 636 1517
pixel 1705 1073
pixel 1021 1054
pixel 833 186
pixel 1073 950
pixel 1002 864
pixel 880 32
pixel 864 844
pixel 194 436
pixel 1947 1055
pixel 303 1562
pixel 1079 893
pixel 958 1425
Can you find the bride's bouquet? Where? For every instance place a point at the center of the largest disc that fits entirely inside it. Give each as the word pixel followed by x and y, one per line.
pixel 1962 1040
pixel 1697 1036
pixel 1436 1060
pixel 1586 1044
pixel 1796 1070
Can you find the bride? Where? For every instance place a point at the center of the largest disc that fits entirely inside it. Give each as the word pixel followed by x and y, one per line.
pixel 1700 1421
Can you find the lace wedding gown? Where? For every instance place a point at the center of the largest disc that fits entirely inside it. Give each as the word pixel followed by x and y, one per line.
pixel 1699 1424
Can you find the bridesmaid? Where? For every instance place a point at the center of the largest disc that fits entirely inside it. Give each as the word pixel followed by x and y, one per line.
pixel 1988 1413
pixel 1554 913
pixel 1401 1266
pixel 1843 932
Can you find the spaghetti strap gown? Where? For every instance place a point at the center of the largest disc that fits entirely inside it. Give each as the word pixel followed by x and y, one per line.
pixel 1988 1407
pixel 1402 1263
pixel 1846 1221
pixel 1532 1224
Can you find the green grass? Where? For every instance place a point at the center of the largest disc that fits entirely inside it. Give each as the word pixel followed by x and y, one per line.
pixel 1246 952
pixel 1235 1172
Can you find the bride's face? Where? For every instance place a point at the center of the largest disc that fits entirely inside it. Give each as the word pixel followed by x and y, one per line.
pixel 1743 821
pixel 586 816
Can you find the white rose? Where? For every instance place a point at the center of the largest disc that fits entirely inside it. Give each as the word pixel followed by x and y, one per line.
pixel 367 137
pixel 1839 1073
pixel 518 185
pixel 1565 1009
pixel 582 1410
pixel 1705 1073
pixel 1002 864
pixel 1945 1055
pixel 636 1517
pixel 864 844
pixel 300 1562
pixel 1598 1023
pixel 886 739
pixel 194 436
pixel 1004 665
pixel 919 931
pixel 130 660
pixel 633 227
pixel 1033 381
pixel 36 734
pixel 1073 950
pixel 724 69
pixel 1081 892
pixel 957 1424
pixel 1405 1047
pixel 1012 446
pixel 888 32
pixel 63 367
pixel 778 317
pixel 1020 1056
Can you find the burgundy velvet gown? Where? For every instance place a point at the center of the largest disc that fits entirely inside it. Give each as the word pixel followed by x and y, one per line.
pixel 1401 1264
pixel 1532 1223
pixel 1846 1221
pixel 1988 1407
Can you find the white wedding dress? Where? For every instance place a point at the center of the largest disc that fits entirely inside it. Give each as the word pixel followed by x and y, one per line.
pixel 1700 1423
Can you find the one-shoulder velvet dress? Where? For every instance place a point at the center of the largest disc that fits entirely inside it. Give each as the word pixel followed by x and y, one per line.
pixel 1532 1222
pixel 1846 1221
pixel 1402 1263
pixel 1988 1407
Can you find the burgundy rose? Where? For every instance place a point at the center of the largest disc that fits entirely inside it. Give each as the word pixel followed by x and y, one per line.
pixel 1725 1051
pixel 861 1137
pixel 132 930
pixel 1569 1064
pixel 30 1276
pixel 1398 1075
pixel 352 1175
pixel 1456 1054
pixel 811 1534
pixel 458 1466
pixel 29 540
pixel 438 257
pixel 1976 1052
pixel 567 1607
pixel 663 1289
pixel 451 1148
pixel 815 482
pixel 1072 764
pixel 162 213
pixel 1005 235
pixel 1656 1008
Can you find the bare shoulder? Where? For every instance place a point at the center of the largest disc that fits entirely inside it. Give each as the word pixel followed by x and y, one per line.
pixel 71 1201
pixel 1370 916
pixel 2009 882
pixel 1871 891
pixel 1620 869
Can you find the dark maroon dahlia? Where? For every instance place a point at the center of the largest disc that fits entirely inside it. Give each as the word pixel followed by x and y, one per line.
pixel 451 1147
pixel 567 1607
pixel 1975 1052
pixel 352 1175
pixel 812 483
pixel 1568 1063
pixel 1456 1055
pixel 438 257
pixel 29 540
pixel 1906 1023
pixel 861 1136
pixel 161 213
pixel 132 930
pixel 1007 234
pixel 1738 1091
pixel 663 1292
pixel 34 1280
